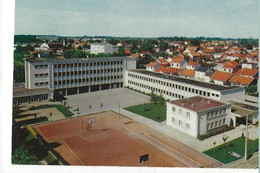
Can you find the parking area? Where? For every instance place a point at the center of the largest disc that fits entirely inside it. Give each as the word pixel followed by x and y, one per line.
pixel 105 100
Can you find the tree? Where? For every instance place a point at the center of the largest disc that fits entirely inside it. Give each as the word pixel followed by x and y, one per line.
pixel 23 156
pixel 161 100
pixel 214 143
pixel 120 51
pixel 18 72
pixel 224 138
pixel 153 97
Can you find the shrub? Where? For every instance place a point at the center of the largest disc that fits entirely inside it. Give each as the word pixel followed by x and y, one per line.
pixel 215 132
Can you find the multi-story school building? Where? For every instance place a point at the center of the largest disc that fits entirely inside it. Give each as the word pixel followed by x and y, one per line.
pixel 74 76
pixel 174 87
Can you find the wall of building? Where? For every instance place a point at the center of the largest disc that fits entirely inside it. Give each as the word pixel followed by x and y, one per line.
pixel 178 119
pixel 170 90
pixel 76 73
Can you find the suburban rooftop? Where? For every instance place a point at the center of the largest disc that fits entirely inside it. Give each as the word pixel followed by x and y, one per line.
pixel 197 103
pixel 76 59
pixel 185 80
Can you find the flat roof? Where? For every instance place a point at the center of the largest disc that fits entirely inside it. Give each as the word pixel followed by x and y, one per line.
pixel 242 109
pixel 79 59
pixel 197 103
pixel 185 80
pixel 19 90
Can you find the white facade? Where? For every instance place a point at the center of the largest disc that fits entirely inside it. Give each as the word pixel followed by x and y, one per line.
pixel 173 87
pixel 201 76
pixel 97 48
pixel 77 75
pixel 181 65
pixel 196 123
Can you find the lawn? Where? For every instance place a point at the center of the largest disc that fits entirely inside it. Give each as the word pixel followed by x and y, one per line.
pixel 66 113
pixel 152 111
pixel 236 145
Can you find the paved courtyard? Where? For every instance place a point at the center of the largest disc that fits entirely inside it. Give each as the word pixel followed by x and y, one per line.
pixel 109 98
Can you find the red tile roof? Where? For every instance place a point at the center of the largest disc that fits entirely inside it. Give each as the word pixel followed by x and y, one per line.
pixel 177 60
pixel 127 52
pixel 209 51
pixel 197 103
pixel 168 70
pixel 188 72
pixel 174 70
pixel 221 76
pixel 162 69
pixel 162 61
pixel 247 72
pixel 152 64
pixel 192 63
pixel 241 80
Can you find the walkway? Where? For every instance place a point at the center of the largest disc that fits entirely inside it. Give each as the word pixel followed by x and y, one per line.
pixel 187 139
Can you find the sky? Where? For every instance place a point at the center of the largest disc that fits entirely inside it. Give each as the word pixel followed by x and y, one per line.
pixel 139 18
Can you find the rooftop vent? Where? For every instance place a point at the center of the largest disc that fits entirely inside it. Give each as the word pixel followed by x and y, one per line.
pixel 183 104
pixel 203 100
pixel 209 101
pixel 193 105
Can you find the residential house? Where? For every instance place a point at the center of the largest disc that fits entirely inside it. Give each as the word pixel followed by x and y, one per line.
pixel 203 74
pixel 168 70
pixel 193 65
pixel 247 72
pixel 241 80
pixel 187 73
pixel 152 66
pixel 163 62
pixel 178 63
pixel 249 65
pixel 220 77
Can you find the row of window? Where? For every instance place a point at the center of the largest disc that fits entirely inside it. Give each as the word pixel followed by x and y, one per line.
pixel 87 72
pixel 181 112
pixel 171 94
pixel 216 124
pixel 41 75
pixel 41 66
pixel 41 84
pixel 88 64
pixel 87 80
pixel 215 113
pixel 180 123
pixel 168 84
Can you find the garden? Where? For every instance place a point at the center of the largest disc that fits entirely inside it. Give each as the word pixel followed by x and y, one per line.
pixel 232 150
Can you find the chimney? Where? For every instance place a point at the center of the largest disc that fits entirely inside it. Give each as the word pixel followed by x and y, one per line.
pixel 202 100
pixel 183 104
pixel 209 101
pixel 193 105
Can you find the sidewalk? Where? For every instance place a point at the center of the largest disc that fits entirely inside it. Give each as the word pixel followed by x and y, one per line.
pixel 187 139
pixel 250 163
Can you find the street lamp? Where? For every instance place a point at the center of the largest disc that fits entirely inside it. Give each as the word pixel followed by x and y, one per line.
pixel 246 147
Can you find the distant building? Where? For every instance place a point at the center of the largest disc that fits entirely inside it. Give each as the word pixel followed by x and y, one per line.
pixel 97 48
pixel 203 74
pixel 152 66
pixel 197 115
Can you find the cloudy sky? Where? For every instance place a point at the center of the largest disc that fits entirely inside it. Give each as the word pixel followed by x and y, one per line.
pixel 142 18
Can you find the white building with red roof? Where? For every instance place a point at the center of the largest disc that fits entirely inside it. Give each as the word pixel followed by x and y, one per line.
pixel 163 62
pixel 178 63
pixel 197 115
pixel 193 65
pixel 152 66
